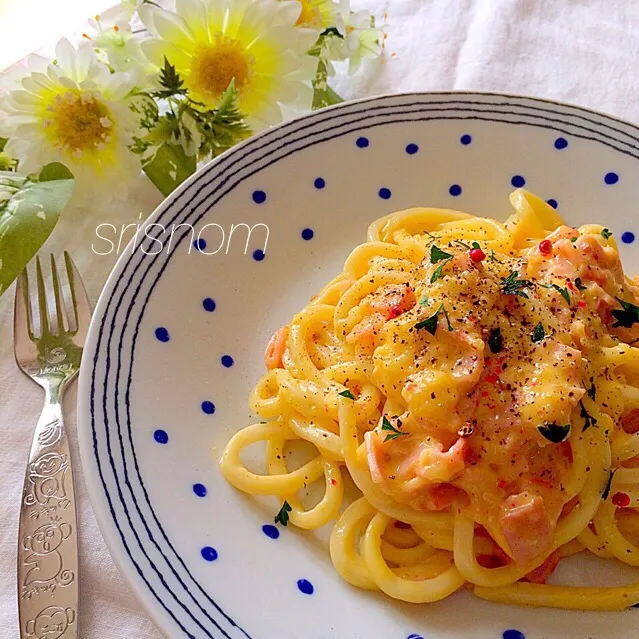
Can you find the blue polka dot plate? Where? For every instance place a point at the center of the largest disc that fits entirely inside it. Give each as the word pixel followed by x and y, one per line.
pixel 179 332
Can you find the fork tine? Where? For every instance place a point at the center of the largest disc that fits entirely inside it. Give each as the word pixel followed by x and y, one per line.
pixel 42 300
pixel 59 305
pixel 22 321
pixel 81 304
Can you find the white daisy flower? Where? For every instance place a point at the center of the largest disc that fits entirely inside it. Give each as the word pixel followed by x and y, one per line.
pixel 361 39
pixel 73 111
pixel 113 36
pixel 210 42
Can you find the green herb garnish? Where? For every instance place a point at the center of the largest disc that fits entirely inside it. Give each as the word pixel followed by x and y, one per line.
pixel 605 234
pixel 492 257
pixel 424 301
pixel 574 239
pixel 347 394
pixel 553 432
pixel 512 286
pixel 437 255
pixel 430 323
pixel 282 516
pixel 626 317
pixel 495 340
pixel 589 420
pixel 437 273
pixel 606 491
pixel 579 284
pixel 563 291
pixel 538 333
pixel 394 432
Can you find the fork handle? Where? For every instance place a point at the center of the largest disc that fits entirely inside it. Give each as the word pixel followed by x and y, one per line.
pixel 48 539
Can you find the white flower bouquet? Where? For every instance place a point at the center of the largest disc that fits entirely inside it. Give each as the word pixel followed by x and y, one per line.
pixel 159 90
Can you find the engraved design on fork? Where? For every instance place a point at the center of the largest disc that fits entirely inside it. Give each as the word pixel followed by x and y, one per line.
pixel 49 336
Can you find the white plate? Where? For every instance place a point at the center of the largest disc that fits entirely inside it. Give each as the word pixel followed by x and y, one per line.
pixel 332 172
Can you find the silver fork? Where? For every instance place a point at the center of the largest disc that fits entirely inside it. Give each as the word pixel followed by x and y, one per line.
pixel 48 351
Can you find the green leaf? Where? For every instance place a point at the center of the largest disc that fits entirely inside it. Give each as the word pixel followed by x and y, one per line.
pixel 437 255
pixel 3 143
pixel 606 234
pixel 495 340
pixel 563 291
pixel 55 171
pixel 538 333
pixel 627 317
pixel 579 284
pixel 332 31
pixel 512 286
pixel 323 95
pixel 29 212
pixel 430 323
pixel 282 515
pixel 553 432
pixel 347 393
pixel 170 81
pixel 169 167
pixel 606 490
pixel 424 300
pixel 395 433
pixel 437 273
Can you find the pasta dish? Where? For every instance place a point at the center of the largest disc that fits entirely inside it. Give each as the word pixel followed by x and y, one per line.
pixel 478 382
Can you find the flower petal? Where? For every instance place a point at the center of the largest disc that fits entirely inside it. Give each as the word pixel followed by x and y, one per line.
pixel 195 16
pixel 156 50
pixel 65 55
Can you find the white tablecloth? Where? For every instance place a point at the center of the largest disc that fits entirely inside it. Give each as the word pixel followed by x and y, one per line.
pixel 580 51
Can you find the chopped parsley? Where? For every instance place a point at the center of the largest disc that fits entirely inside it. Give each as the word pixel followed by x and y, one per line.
pixel 282 516
pixel 424 301
pixel 394 432
pixel 606 491
pixel 574 239
pixel 589 420
pixel 538 333
pixel 579 284
pixel 563 291
pixel 553 432
pixel 492 257
pixel 437 273
pixel 437 255
pixel 430 323
pixel 512 286
pixel 347 394
pixel 626 317
pixel 605 234
pixel 495 340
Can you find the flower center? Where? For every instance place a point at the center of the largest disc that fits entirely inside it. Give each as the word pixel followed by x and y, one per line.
pixel 78 122
pixel 215 65
pixel 310 14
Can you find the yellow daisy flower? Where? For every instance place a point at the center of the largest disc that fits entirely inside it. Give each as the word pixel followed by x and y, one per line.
pixel 256 42
pixel 73 111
